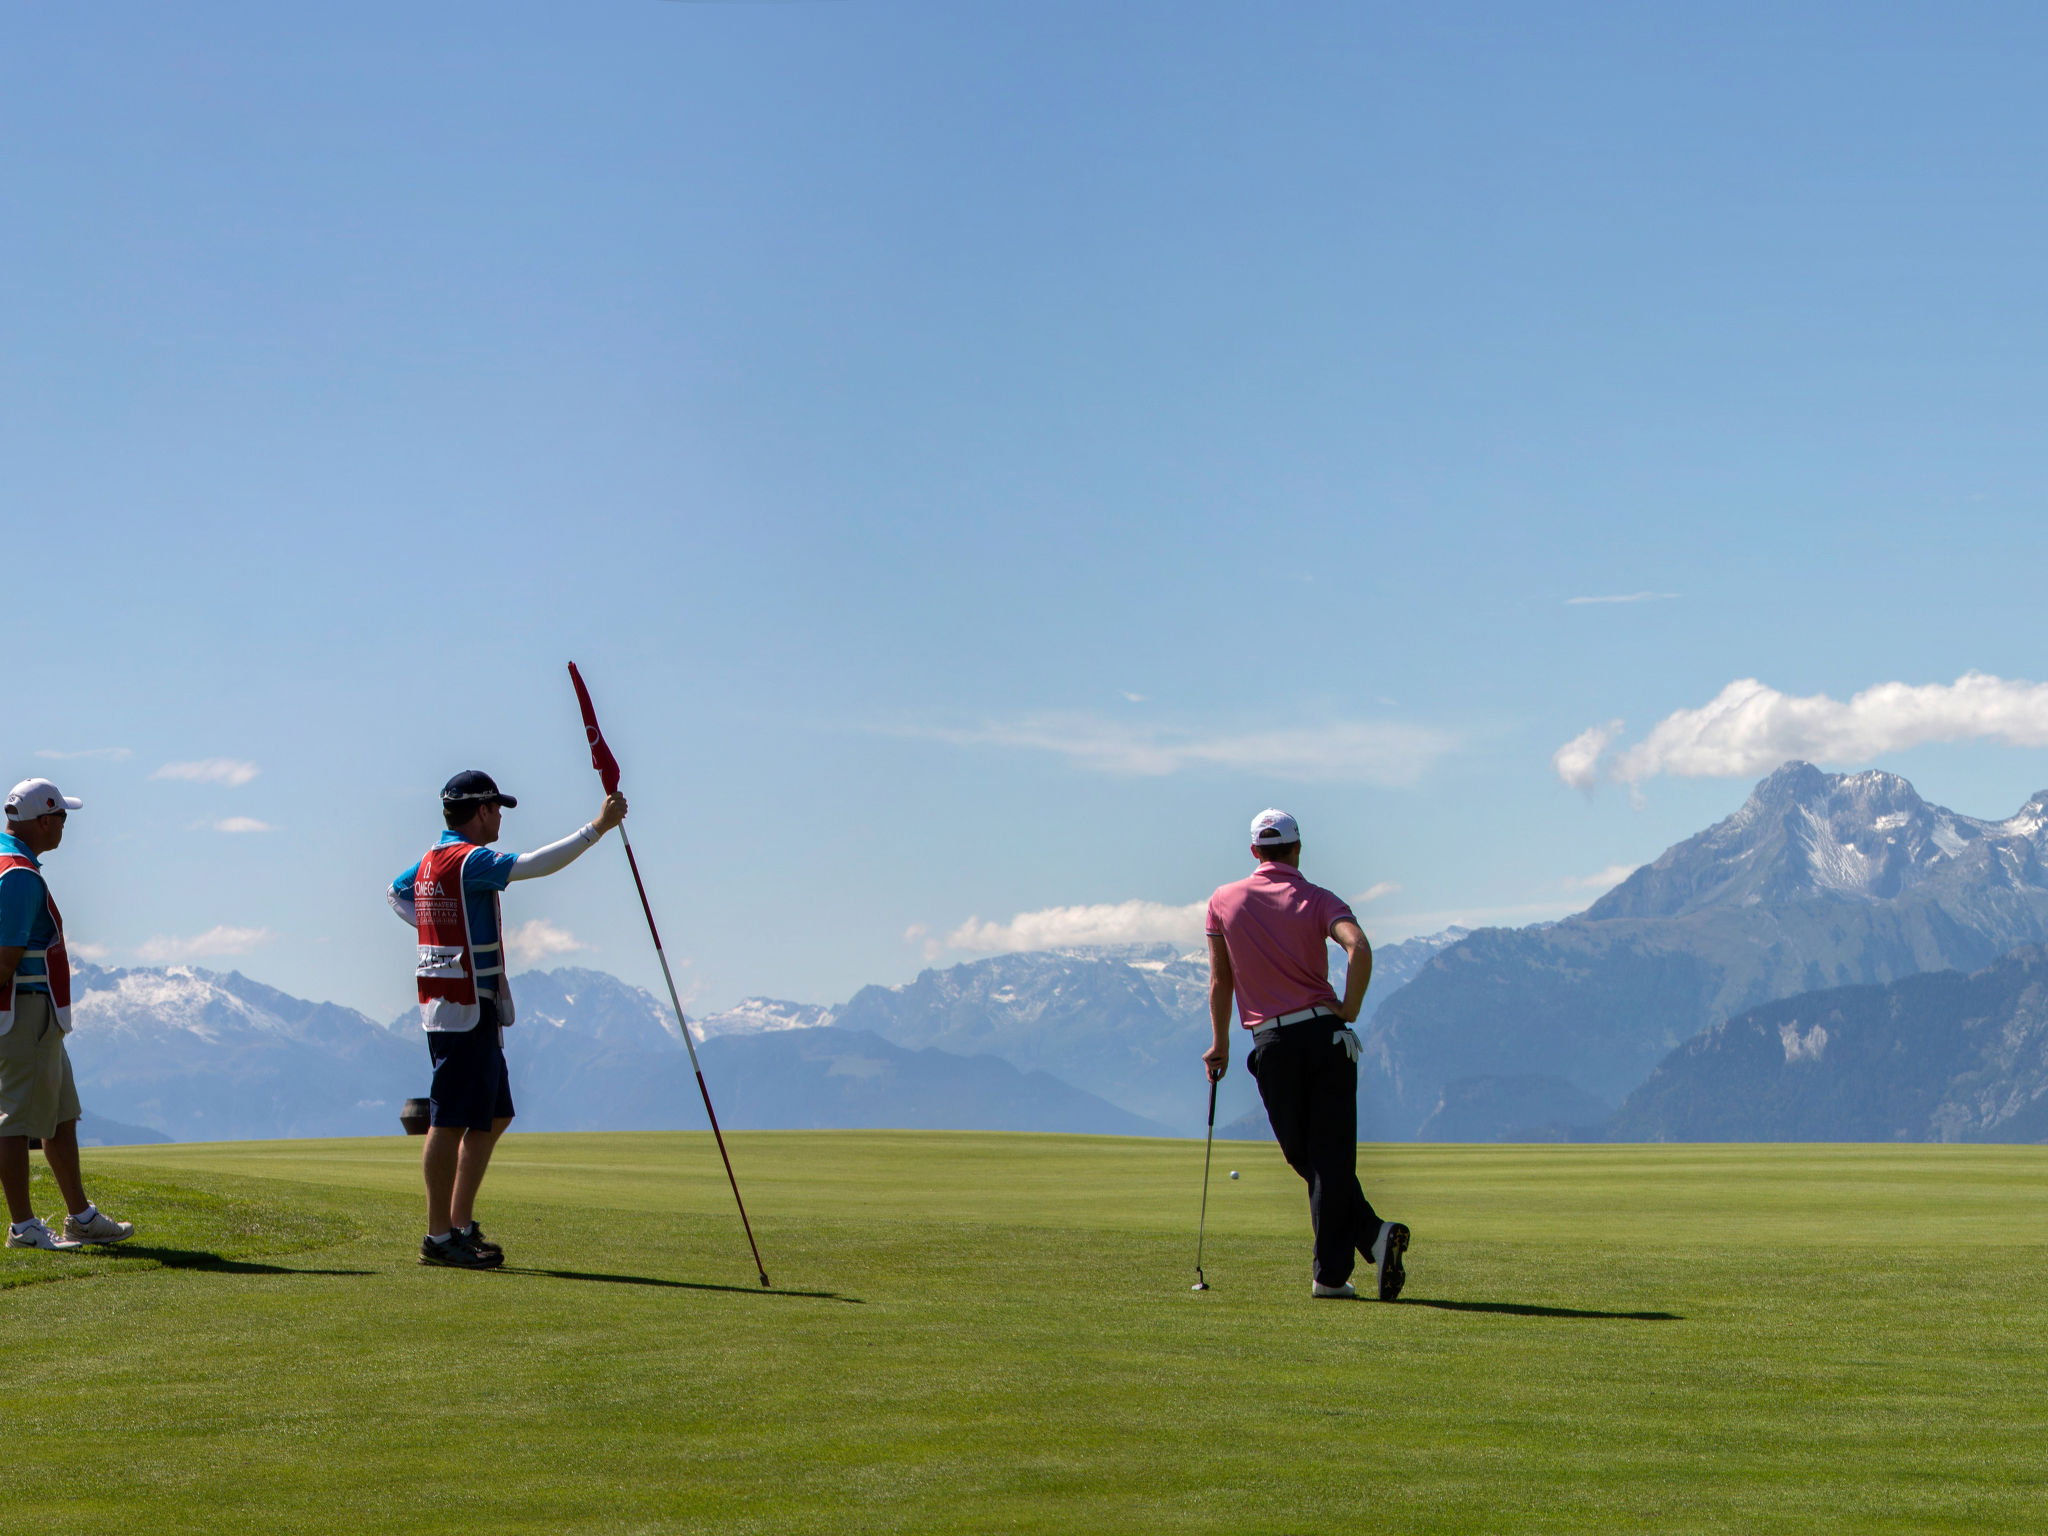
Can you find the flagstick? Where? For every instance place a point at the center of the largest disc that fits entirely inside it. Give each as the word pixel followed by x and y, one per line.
pixel 684 1025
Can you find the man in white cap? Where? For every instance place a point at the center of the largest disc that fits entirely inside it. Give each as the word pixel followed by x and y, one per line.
pixel 37 1095
pixel 1268 938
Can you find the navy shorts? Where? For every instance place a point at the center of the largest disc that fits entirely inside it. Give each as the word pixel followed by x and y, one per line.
pixel 472 1086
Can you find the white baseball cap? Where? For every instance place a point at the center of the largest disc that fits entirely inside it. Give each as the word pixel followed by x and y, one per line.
pixel 1274 828
pixel 38 797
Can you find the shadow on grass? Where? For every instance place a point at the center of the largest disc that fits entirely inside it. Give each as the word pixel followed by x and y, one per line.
pixel 199 1258
pixel 1526 1309
pixel 679 1285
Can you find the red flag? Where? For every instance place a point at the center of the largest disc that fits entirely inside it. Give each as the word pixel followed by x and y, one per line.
pixel 601 757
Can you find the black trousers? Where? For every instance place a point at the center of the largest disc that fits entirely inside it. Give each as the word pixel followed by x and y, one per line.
pixel 1310 1086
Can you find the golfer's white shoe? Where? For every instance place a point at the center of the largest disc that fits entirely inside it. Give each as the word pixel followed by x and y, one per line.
pixel 1387 1251
pixel 37 1235
pixel 97 1227
pixel 1345 1292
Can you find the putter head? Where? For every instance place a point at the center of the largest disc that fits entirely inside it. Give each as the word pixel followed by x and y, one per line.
pixel 1200 1284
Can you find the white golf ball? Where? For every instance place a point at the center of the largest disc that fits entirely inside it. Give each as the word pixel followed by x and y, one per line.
pixel 1233 1173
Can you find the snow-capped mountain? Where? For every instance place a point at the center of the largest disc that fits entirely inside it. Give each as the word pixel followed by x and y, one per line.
pixel 1819 880
pixel 201 1056
pixel 761 1016
pixel 1082 1039
pixel 1865 835
pixel 1127 1022
pixel 592 1005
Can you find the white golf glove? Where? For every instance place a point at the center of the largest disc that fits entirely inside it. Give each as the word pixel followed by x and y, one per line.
pixel 1348 1038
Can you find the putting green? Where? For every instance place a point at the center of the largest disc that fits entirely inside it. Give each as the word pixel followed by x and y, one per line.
pixel 995 1333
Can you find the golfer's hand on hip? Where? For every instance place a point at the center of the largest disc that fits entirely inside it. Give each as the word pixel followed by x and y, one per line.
pixel 613 813
pixel 1217 1060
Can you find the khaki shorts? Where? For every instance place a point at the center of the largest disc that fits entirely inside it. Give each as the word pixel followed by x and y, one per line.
pixel 36 1091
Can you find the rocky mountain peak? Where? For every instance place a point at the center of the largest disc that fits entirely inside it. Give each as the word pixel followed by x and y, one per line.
pixel 1866 836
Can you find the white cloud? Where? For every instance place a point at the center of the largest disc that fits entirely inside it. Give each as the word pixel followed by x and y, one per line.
pixel 94 952
pixel 1622 597
pixel 215 941
pixel 1577 762
pixel 100 754
pixel 1122 922
pixel 1374 752
pixel 1135 698
pixel 1375 892
pixel 538 940
pixel 230 771
pixel 1601 880
pixel 1748 729
pixel 241 824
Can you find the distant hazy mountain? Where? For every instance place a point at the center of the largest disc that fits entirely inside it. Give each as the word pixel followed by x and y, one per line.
pixel 201 1056
pixel 1532 1107
pixel 98 1131
pixel 593 1053
pixel 1125 1024
pixel 1129 1023
pixel 589 1005
pixel 195 1055
pixel 1937 1057
pixel 847 1077
pixel 761 1016
pixel 1819 880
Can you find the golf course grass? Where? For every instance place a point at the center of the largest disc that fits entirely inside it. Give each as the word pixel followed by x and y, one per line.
pixel 996 1333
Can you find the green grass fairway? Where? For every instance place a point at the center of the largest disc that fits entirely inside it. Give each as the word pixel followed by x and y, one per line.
pixel 996 1333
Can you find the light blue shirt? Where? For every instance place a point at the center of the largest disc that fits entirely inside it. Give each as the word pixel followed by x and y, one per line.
pixel 25 915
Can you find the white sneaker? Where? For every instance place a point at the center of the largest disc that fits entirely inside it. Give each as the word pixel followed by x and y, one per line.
pixel 1345 1292
pixel 37 1235
pixel 1387 1251
pixel 102 1228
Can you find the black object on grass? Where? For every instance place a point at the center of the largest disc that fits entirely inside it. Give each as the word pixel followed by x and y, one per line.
pixel 416 1115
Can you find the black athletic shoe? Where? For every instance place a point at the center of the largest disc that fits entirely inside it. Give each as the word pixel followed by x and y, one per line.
pixel 474 1236
pixel 1387 1253
pixel 455 1252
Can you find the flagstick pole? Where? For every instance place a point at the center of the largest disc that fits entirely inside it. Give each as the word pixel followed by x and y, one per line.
pixel 684 1025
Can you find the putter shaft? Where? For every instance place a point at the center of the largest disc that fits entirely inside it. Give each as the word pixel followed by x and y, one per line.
pixel 1202 1229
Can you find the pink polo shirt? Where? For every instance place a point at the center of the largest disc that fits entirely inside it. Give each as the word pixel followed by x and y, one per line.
pixel 1275 924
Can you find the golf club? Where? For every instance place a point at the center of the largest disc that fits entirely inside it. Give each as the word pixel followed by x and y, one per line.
pixel 1202 1230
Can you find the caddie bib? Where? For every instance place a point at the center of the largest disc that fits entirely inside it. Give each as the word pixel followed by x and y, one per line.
pixel 451 966
pixel 56 964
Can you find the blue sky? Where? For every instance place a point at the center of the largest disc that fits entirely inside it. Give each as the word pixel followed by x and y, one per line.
pixel 981 455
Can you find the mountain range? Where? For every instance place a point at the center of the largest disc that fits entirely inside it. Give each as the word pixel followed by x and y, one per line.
pixel 1846 897
pixel 1129 1022
pixel 188 1054
pixel 1819 880
pixel 1937 1057
pixel 203 1057
pixel 591 1052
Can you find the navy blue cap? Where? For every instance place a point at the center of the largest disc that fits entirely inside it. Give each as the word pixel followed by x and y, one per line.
pixel 473 784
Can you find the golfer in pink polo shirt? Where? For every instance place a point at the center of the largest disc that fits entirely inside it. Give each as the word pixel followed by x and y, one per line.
pixel 1267 952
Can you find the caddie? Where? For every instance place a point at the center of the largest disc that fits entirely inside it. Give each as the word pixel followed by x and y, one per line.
pixel 451 897
pixel 1268 952
pixel 37 1095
